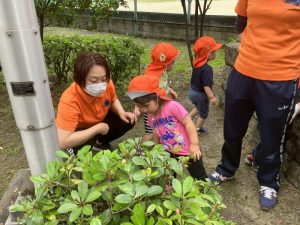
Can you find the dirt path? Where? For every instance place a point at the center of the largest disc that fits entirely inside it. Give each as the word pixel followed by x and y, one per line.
pixel 241 194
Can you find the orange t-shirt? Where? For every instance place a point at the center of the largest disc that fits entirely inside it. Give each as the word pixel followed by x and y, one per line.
pixel 270 45
pixel 79 110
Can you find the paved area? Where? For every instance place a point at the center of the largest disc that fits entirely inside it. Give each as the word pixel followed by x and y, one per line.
pixel 218 7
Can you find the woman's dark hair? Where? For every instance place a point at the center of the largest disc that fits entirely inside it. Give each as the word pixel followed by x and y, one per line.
pixel 84 62
pixel 147 98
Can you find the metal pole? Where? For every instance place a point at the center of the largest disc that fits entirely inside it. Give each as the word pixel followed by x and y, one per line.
pixel 24 69
pixel 189 11
pixel 135 15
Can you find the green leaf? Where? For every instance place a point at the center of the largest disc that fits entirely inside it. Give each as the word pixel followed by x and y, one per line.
pixel 17 208
pixel 151 208
pixel 37 179
pixel 67 207
pixel 177 186
pixel 95 221
pixel 154 190
pixel 92 196
pixel 141 190
pixel 138 217
pixel 36 218
pixel 51 169
pixel 104 162
pixel 75 195
pixel 76 181
pixel 187 185
pixel 127 188
pixel 151 221
pixel 83 190
pixel 123 198
pixel 62 154
pixel 127 223
pixel 148 144
pixel 170 205
pixel 139 175
pixel 83 151
pixel 107 196
pixel 87 210
pixel 138 160
pixel 75 214
pixel 159 210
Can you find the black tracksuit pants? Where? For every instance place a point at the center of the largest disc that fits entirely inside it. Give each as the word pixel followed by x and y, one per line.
pixel 273 102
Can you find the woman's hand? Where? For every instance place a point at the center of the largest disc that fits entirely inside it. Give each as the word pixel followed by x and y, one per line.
pixel 103 128
pixel 128 117
pixel 195 151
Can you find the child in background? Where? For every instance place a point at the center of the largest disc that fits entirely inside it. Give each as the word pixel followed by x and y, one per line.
pixel 173 127
pixel 163 58
pixel 201 94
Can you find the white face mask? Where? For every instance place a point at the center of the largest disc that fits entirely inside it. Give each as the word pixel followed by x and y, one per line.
pixel 95 90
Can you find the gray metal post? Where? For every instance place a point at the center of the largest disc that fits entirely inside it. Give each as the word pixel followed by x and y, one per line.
pixel 189 11
pixel 135 15
pixel 22 60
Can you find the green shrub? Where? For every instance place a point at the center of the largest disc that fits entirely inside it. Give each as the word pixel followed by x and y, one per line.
pixel 121 187
pixel 122 53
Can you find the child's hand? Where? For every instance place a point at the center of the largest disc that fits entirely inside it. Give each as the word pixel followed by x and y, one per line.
pixel 136 111
pixel 173 93
pixel 195 151
pixel 212 100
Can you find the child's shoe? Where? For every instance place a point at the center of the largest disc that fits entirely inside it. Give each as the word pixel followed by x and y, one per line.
pixel 215 177
pixel 249 160
pixel 202 130
pixel 267 198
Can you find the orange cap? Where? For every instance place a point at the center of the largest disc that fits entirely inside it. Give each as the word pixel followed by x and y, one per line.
pixel 143 85
pixel 203 47
pixel 162 55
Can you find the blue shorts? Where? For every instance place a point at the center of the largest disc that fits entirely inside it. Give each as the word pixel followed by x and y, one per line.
pixel 200 100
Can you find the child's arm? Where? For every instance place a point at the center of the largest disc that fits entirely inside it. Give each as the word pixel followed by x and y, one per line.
pixel 193 136
pixel 172 93
pixel 210 95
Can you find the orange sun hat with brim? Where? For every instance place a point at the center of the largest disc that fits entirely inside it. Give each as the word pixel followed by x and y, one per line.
pixel 162 55
pixel 143 85
pixel 203 47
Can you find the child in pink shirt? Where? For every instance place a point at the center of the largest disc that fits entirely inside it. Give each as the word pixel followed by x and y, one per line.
pixel 172 125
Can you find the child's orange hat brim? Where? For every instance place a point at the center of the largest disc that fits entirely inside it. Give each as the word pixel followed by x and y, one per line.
pixel 203 47
pixel 143 85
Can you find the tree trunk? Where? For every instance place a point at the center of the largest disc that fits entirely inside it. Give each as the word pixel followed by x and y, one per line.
pixel 41 25
pixel 196 20
pixel 187 32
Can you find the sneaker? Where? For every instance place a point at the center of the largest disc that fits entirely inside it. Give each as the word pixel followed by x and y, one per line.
pixel 102 146
pixel 216 177
pixel 249 160
pixel 267 198
pixel 202 130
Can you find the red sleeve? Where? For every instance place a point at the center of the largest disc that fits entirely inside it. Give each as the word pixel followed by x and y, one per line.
pixel 241 7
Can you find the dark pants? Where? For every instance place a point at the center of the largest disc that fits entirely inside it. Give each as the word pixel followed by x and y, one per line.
pixel 117 128
pixel 274 104
pixel 195 168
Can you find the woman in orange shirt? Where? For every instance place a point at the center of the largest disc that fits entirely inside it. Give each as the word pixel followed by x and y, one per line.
pixel 264 80
pixel 89 111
